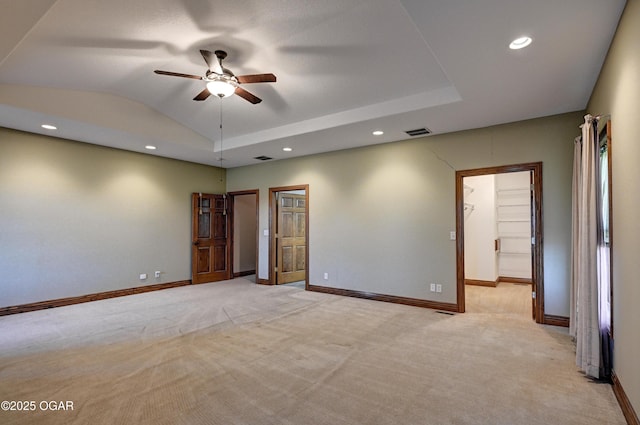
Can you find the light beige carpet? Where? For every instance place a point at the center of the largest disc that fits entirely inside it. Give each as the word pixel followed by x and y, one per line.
pixel 506 298
pixel 240 353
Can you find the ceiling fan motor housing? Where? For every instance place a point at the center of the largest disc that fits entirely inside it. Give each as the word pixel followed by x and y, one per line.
pixel 220 54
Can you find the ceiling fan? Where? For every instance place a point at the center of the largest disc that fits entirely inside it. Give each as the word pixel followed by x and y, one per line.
pixel 221 81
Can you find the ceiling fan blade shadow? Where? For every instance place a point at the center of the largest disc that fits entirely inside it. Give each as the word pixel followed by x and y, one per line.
pixel 247 96
pixel 256 78
pixel 344 51
pixel 202 95
pixel 125 47
pixel 177 74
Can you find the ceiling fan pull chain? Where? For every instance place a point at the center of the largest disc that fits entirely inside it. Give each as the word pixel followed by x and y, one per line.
pixel 221 137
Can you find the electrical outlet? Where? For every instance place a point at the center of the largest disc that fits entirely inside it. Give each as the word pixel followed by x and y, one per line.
pixel 158 273
pixel 438 288
pixel 143 276
pixel 452 236
pixel 326 276
pixel 433 287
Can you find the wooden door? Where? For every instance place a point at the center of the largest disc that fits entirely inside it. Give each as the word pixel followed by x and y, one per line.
pixel 290 238
pixel 210 241
pixel 513 223
pixel 533 235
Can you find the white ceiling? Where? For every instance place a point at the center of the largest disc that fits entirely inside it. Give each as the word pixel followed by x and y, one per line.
pixel 344 69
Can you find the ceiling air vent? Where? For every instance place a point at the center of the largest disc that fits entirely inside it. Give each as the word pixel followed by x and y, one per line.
pixel 418 132
pixel 263 158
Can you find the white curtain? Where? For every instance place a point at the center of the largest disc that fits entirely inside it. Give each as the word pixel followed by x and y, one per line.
pixel 590 310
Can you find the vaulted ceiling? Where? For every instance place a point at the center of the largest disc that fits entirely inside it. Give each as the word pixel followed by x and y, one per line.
pixel 344 69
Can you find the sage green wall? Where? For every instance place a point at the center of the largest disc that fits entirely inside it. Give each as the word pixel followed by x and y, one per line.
pixel 380 216
pixel 617 92
pixel 78 218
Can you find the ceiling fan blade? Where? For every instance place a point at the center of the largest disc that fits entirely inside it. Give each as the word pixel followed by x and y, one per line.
pixel 247 96
pixel 207 56
pixel 202 95
pixel 212 61
pixel 177 74
pixel 256 78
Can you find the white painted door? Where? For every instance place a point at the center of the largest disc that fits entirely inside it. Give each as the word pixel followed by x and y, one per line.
pixel 513 213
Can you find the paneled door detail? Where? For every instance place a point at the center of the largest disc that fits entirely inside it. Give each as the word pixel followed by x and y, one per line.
pixel 210 242
pixel 291 238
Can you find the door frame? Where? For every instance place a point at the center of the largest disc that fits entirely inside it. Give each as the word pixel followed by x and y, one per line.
pixel 537 275
pixel 273 217
pixel 232 225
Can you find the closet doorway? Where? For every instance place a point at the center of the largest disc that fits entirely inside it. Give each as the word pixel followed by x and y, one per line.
pixel 244 233
pixel 499 244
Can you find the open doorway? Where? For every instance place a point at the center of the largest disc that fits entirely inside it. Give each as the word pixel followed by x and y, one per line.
pixel 505 229
pixel 244 233
pixel 497 243
pixel 289 230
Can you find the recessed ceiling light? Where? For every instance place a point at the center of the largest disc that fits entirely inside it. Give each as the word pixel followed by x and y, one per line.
pixel 49 126
pixel 287 149
pixel 520 43
pixel 378 133
pixel 150 147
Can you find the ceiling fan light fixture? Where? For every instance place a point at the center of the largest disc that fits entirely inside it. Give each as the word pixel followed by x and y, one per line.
pixel 220 81
pixel 221 88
